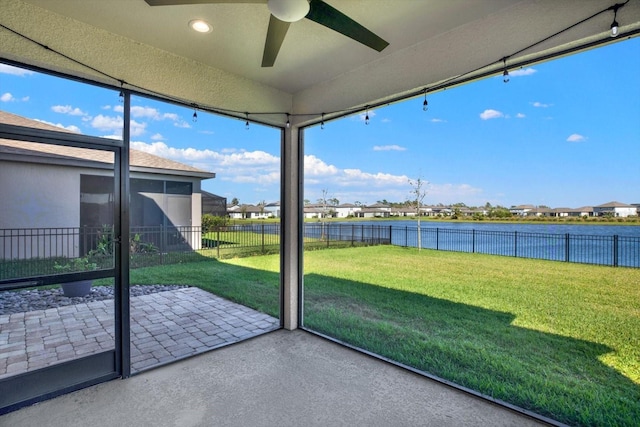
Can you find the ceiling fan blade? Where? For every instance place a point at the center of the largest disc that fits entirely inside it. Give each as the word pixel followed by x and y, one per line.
pixel 275 36
pixel 330 17
pixel 183 2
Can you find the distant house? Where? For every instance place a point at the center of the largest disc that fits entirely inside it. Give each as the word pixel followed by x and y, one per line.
pixel 310 212
pixel 583 211
pixel 521 210
pixel 346 209
pixel 247 212
pixel 404 211
pixel 615 209
pixel 319 210
pixel 273 209
pixel 380 206
pixel 46 186
pixel 373 212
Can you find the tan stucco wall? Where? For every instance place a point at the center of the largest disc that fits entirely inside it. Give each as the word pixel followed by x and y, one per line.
pixel 38 196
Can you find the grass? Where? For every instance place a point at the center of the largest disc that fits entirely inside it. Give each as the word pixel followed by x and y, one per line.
pixel 560 339
pixel 257 287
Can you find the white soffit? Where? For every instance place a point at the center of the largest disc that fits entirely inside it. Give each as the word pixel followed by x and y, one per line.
pixel 317 69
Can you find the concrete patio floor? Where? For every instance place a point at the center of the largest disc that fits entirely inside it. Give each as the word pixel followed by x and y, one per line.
pixel 282 378
pixel 165 326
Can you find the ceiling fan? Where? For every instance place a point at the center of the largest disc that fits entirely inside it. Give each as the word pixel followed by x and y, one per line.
pixel 284 12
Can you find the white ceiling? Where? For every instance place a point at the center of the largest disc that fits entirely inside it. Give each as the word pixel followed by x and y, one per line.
pixel 317 70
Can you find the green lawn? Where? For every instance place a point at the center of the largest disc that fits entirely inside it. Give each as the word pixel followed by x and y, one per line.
pixel 560 339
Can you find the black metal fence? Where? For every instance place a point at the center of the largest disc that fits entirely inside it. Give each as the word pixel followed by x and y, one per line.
pixel 613 250
pixel 23 251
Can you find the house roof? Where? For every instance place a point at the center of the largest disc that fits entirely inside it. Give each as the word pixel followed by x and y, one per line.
pixel 614 204
pixel 139 160
pixel 152 49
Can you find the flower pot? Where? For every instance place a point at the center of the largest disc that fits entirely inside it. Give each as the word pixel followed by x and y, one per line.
pixel 80 288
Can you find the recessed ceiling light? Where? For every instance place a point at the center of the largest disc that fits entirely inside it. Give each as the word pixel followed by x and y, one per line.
pixel 200 26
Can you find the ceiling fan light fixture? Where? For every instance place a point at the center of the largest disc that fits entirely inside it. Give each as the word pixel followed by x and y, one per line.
pixel 200 26
pixel 288 10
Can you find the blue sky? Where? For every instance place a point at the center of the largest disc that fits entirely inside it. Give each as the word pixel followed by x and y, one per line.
pixel 564 133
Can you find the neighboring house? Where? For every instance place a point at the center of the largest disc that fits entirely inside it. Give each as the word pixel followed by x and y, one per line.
pixel 47 186
pixel 540 212
pixel 616 209
pixel 404 211
pixel 369 212
pixel 319 210
pixel 380 206
pixel 273 209
pixel 345 210
pixel 583 211
pixel 521 210
pixel 213 204
pixel 438 210
pixel 310 212
pixel 247 212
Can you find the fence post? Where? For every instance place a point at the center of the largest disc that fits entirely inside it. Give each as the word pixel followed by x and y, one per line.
pixel 615 250
pixel 566 247
pixel 353 233
pixel 406 236
pixel 437 239
pixel 262 227
pixel 328 233
pixel 515 244
pixel 218 243
pixel 473 241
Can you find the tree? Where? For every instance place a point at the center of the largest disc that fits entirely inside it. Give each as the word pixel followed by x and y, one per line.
pixel 418 194
pixel 235 201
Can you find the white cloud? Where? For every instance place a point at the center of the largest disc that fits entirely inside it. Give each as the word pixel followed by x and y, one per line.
pixel 359 178
pixel 157 137
pixel 68 109
pixel 388 148
pixel 313 166
pixel 115 124
pixel 189 155
pixel 15 71
pixel 491 114
pixel 238 166
pixel 182 124
pixel 72 128
pixel 576 137
pixel 520 116
pixel 106 123
pixel 523 72
pixel 540 105
pixel 8 97
pixel 438 121
pixel 151 113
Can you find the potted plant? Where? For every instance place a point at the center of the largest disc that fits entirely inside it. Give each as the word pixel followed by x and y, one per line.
pixel 78 288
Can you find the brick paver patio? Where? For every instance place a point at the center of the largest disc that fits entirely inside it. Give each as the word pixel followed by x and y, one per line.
pixel 165 326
